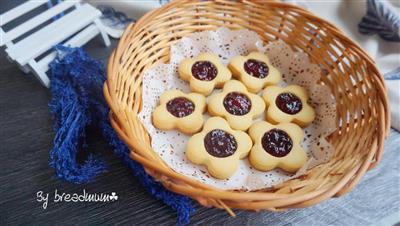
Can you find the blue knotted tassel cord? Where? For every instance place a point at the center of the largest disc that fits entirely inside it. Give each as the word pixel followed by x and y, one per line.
pixel 77 102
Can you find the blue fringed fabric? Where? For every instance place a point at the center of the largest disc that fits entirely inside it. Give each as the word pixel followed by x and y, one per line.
pixel 77 102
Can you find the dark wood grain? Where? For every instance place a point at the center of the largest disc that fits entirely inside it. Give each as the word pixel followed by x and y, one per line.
pixel 26 138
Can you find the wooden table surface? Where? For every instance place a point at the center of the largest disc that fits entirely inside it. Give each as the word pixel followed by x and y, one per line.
pixel 26 138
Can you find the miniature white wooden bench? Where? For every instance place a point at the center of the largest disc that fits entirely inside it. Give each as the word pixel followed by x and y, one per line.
pixel 72 24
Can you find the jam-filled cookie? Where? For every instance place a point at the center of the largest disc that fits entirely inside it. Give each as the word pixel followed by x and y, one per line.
pixel 204 73
pixel 254 70
pixel 288 104
pixel 181 111
pixel 218 147
pixel 238 106
pixel 276 146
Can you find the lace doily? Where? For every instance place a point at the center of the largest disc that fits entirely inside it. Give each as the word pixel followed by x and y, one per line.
pixel 295 68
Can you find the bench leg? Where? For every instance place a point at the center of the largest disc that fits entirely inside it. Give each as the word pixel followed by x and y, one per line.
pixel 25 68
pixel 41 75
pixel 106 39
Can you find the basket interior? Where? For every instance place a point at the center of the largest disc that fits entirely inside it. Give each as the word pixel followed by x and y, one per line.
pixel 362 118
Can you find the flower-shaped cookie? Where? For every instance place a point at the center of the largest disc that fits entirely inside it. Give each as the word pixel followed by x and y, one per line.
pixel 238 106
pixel 288 104
pixel 276 146
pixel 181 111
pixel 254 70
pixel 204 73
pixel 218 147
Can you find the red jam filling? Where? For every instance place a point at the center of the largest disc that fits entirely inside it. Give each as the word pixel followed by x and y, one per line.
pixel 237 103
pixel 219 143
pixel 289 103
pixel 277 143
pixel 256 68
pixel 180 107
pixel 204 70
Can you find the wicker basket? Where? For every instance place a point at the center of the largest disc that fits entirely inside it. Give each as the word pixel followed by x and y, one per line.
pixel 362 105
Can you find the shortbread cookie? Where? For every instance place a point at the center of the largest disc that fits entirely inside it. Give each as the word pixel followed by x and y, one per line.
pixel 288 104
pixel 218 147
pixel 254 70
pixel 181 111
pixel 238 106
pixel 204 73
pixel 276 146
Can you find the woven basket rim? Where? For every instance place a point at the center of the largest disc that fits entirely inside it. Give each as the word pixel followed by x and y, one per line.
pixel 210 196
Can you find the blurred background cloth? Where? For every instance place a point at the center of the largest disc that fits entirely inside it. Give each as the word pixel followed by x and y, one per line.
pixel 133 8
pixel 346 15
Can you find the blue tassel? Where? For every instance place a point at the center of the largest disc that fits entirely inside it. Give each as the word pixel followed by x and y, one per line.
pixel 77 102
pixel 381 20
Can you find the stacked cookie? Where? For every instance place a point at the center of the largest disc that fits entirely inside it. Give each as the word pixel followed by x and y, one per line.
pixel 231 134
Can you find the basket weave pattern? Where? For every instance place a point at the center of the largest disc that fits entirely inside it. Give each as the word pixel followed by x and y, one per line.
pixel 362 105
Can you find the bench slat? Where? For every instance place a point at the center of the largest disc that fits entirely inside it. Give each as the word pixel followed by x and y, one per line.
pixel 37 20
pixel 54 33
pixel 77 40
pixel 19 10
